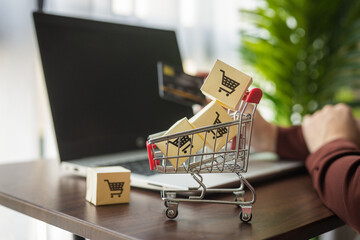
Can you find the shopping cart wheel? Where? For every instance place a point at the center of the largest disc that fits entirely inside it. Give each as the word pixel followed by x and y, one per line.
pixel 245 214
pixel 171 213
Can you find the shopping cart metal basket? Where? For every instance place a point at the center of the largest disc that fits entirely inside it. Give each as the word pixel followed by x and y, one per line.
pixel 232 158
pixel 229 84
pixel 114 187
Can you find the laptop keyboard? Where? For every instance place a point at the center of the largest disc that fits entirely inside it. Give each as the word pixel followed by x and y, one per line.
pixel 139 167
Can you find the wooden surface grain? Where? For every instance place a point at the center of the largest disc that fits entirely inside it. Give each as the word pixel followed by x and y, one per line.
pixel 286 208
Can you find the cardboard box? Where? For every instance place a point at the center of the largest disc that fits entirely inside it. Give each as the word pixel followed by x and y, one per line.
pixel 226 85
pixel 213 114
pixel 182 145
pixel 108 185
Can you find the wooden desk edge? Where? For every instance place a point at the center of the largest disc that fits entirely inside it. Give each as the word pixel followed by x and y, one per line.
pixel 316 229
pixel 72 224
pixel 93 231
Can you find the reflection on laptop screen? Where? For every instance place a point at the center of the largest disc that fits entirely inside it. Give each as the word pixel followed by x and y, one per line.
pixel 102 83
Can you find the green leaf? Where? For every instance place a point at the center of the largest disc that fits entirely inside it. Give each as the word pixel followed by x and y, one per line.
pixel 308 50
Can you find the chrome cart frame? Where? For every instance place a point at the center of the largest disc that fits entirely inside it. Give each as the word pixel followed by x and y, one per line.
pixel 232 158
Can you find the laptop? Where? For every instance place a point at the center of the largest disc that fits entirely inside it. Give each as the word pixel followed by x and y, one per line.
pixel 102 86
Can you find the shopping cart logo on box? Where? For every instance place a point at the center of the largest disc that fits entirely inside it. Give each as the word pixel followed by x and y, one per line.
pixel 232 158
pixel 219 132
pixel 115 187
pixel 181 141
pixel 228 85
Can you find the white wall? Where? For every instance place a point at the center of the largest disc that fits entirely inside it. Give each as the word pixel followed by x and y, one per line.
pixel 18 109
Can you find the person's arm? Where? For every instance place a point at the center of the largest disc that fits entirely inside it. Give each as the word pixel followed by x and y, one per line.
pixel 327 143
pixel 335 173
pixel 290 143
pixel 332 138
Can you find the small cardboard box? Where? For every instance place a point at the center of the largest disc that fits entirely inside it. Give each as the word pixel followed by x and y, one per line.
pixel 108 185
pixel 213 114
pixel 184 142
pixel 226 85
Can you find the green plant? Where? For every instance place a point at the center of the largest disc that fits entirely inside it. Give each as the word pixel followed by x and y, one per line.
pixel 307 50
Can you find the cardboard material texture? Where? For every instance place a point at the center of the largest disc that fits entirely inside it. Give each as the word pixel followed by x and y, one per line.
pixel 226 85
pixel 108 185
pixel 180 146
pixel 213 114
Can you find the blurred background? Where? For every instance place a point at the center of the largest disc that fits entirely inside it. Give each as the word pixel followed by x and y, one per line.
pixel 303 54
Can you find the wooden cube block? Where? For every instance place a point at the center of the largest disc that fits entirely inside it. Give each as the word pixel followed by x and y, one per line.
pixel 214 113
pixel 182 145
pixel 226 84
pixel 108 185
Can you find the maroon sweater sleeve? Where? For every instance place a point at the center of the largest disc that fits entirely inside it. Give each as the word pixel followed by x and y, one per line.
pixel 335 172
pixel 334 169
pixel 291 144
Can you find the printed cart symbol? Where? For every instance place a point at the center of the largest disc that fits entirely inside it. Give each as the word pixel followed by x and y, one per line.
pixel 229 83
pixel 183 141
pixel 115 186
pixel 221 131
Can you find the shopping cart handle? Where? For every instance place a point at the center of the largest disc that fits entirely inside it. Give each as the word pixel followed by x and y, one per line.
pixel 150 155
pixel 245 95
pixel 254 96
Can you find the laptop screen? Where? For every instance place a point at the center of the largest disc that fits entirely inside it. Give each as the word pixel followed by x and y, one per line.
pixel 102 85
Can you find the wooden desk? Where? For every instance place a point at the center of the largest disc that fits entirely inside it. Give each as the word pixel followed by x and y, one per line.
pixel 286 208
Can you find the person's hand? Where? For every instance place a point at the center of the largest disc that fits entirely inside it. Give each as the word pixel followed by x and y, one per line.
pixel 328 124
pixel 264 135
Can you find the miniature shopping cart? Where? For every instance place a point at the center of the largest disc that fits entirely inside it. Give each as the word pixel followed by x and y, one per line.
pixel 232 158
pixel 115 187
pixel 229 84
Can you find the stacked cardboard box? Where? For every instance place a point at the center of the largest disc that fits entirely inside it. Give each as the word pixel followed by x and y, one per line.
pixel 225 86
